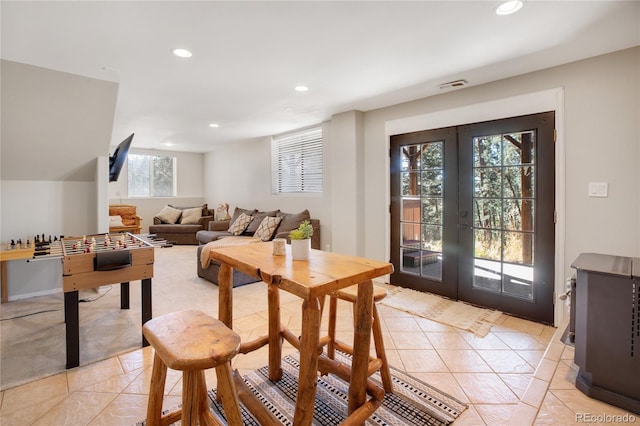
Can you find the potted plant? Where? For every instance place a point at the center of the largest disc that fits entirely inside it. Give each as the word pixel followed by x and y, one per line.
pixel 301 241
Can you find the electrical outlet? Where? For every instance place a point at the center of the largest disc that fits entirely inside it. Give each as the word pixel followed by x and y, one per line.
pixel 327 247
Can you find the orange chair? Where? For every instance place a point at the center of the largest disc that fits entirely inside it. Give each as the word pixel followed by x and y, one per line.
pixel 130 220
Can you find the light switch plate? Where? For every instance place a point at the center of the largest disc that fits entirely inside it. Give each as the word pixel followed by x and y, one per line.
pixel 598 189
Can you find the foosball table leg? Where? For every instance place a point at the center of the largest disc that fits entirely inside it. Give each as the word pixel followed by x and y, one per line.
pixel 146 305
pixel 124 295
pixel 71 319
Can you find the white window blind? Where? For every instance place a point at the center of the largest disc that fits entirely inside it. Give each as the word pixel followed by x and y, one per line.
pixel 297 162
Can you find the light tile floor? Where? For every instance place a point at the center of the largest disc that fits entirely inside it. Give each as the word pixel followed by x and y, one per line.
pixel 520 374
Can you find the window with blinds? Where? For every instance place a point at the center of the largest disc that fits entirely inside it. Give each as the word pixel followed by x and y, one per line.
pixel 297 162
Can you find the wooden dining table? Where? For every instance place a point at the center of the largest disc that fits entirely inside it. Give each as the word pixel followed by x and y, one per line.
pixel 312 279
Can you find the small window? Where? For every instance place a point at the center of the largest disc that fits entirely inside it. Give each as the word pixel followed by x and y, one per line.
pixel 297 162
pixel 151 175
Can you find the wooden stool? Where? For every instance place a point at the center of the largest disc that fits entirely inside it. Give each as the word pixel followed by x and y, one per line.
pixel 192 342
pixel 349 294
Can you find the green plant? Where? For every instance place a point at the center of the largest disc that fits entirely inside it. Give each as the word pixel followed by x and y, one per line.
pixel 302 232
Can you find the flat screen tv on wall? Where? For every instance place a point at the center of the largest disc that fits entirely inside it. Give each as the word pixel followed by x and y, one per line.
pixel 116 161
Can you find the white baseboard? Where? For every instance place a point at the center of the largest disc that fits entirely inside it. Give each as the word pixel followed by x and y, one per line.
pixel 36 294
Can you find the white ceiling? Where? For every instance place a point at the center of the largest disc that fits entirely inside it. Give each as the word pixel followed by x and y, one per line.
pixel 249 56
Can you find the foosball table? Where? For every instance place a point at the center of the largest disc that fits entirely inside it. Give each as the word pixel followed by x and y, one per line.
pixel 95 260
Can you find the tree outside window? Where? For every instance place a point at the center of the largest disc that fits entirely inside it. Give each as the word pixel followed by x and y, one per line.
pixel 151 176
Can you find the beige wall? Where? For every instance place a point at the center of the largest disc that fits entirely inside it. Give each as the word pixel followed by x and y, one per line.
pixel 601 141
pixel 54 124
pixel 597 103
pixel 190 186
pixel 240 174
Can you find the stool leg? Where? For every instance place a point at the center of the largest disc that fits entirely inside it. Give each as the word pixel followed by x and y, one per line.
pixel 156 391
pixel 229 394
pixel 333 311
pixel 190 397
pixel 378 342
pixel 207 418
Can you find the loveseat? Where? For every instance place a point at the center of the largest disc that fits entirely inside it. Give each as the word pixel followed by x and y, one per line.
pixel 179 225
pixel 221 229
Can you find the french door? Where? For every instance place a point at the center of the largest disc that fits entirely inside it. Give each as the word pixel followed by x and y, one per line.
pixel 472 213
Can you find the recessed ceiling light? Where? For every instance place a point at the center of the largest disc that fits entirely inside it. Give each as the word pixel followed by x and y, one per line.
pixel 509 7
pixel 301 88
pixel 214 125
pixel 182 53
pixel 167 143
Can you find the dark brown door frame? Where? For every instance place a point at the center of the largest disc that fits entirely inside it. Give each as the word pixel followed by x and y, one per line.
pixel 450 217
pixel 461 227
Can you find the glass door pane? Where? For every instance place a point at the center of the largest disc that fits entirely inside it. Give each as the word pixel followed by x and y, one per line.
pixel 422 174
pixel 503 215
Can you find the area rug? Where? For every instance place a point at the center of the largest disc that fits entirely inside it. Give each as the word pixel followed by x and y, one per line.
pixel 445 311
pixel 413 402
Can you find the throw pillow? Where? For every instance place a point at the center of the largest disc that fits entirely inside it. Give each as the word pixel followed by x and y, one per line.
pixel 169 215
pixel 204 207
pixel 238 211
pixel 115 221
pixel 191 216
pixel 240 224
pixel 267 228
pixel 291 221
pixel 257 220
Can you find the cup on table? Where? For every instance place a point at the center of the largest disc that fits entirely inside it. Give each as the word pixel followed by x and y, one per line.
pixel 279 246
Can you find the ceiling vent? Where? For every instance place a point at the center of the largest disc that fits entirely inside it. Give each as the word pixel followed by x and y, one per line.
pixel 453 84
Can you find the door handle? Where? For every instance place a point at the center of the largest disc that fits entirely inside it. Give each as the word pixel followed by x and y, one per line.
pixel 464 226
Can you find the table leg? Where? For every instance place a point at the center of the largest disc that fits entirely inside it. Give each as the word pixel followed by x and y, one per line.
pixel 361 345
pixel 124 295
pixel 308 378
pixel 275 338
pixel 3 281
pixel 147 312
pixel 225 295
pixel 71 319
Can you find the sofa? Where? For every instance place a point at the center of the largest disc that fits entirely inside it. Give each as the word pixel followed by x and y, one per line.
pixel 221 229
pixel 179 225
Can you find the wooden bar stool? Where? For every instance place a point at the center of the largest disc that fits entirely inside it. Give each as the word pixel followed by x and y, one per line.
pixel 192 342
pixel 349 294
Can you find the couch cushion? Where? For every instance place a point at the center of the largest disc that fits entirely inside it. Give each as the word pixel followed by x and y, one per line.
pixel 204 207
pixel 169 214
pixel 238 226
pixel 291 221
pixel 191 216
pixel 238 211
pixel 257 220
pixel 166 228
pixel 267 228
pixel 205 237
pixel 115 221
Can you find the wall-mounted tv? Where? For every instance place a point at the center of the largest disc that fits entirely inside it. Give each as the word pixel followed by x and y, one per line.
pixel 116 161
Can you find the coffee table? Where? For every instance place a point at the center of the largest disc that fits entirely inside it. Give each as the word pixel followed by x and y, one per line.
pixel 311 280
